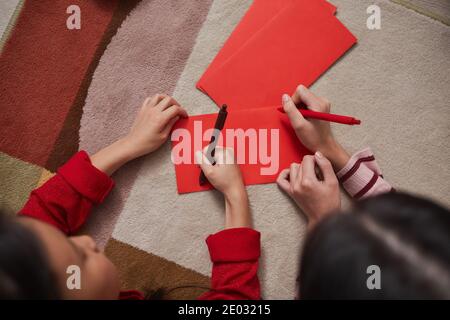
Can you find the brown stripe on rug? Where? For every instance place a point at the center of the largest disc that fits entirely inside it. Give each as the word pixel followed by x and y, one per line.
pixel 147 272
pixel 145 57
pixel 67 142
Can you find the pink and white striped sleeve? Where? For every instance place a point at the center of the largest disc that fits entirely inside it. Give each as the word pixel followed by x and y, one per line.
pixel 361 177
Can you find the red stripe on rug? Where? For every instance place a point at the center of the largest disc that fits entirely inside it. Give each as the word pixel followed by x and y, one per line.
pixel 43 65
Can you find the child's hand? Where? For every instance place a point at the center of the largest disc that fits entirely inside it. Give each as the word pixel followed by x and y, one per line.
pixel 314 134
pixel 153 124
pixel 316 197
pixel 226 177
pixel 151 128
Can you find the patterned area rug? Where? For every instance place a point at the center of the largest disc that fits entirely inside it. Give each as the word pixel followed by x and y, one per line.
pixel 64 90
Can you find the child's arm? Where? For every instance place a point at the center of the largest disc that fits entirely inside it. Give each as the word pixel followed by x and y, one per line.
pixel 234 251
pixel 359 174
pixel 66 200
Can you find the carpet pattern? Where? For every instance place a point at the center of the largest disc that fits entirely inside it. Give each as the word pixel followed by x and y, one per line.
pixel 81 89
pixel 32 73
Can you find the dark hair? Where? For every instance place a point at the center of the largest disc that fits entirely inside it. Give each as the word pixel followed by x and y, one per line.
pixel 407 237
pixel 24 270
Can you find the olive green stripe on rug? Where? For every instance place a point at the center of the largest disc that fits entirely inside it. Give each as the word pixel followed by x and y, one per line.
pixel 17 180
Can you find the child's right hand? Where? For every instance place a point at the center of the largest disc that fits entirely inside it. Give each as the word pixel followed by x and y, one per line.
pixel 314 134
pixel 225 175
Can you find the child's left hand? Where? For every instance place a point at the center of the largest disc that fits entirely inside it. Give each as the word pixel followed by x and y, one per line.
pixel 317 194
pixel 153 124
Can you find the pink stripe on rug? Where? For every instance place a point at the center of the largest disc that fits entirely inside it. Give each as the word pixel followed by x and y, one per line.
pixel 146 57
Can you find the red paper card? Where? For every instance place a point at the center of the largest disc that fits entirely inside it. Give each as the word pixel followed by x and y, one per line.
pixel 258 15
pixel 296 47
pixel 260 160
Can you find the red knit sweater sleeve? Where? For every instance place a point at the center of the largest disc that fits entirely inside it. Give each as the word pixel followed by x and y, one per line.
pixel 66 200
pixel 235 254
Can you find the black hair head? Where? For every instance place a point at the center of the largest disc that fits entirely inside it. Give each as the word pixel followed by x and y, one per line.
pixel 407 237
pixel 24 269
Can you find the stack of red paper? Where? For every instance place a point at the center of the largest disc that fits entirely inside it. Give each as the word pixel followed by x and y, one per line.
pixel 277 45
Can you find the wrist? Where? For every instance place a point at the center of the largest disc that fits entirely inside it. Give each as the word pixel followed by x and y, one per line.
pixel 128 149
pixel 236 196
pixel 237 210
pixel 111 158
pixel 124 150
pixel 337 155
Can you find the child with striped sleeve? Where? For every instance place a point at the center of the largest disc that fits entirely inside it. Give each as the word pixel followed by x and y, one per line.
pixel 389 245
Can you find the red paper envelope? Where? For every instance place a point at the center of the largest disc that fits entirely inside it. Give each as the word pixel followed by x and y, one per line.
pixel 296 47
pixel 258 15
pixel 263 147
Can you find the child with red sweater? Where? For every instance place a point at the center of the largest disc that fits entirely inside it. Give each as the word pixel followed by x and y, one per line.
pixel 40 244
